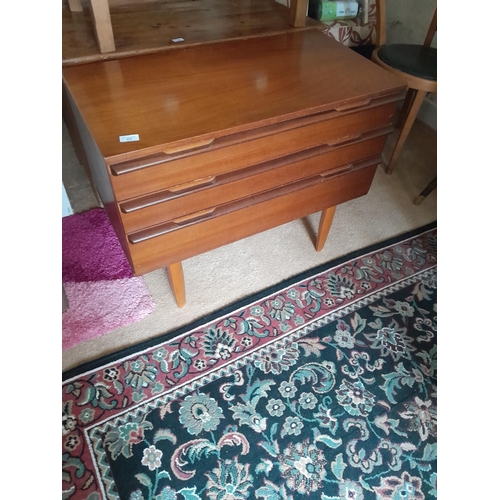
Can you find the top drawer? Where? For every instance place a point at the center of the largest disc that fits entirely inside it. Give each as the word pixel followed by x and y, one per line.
pixel 213 157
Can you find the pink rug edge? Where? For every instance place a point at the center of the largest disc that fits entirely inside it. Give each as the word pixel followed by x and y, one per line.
pixel 100 307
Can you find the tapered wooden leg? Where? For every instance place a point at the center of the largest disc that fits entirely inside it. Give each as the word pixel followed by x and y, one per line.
pixel 176 279
pixel 324 227
pixel 410 95
pixel 426 192
pixel 101 19
pixel 298 12
pixel 412 114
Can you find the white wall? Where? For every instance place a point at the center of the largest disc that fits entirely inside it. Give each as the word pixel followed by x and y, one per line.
pixel 66 207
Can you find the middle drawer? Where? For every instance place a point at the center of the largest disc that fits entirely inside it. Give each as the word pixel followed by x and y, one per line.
pixel 145 211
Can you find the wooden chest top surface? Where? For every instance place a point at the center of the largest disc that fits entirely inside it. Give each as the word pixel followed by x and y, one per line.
pixel 212 90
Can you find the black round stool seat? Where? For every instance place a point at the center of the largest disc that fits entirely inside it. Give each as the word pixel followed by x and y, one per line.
pixel 412 59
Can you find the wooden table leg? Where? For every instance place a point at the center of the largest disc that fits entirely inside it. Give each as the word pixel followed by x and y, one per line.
pixel 101 19
pixel 298 12
pixel 324 227
pixel 176 279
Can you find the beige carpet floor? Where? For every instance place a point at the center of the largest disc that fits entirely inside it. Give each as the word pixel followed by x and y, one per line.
pixel 220 277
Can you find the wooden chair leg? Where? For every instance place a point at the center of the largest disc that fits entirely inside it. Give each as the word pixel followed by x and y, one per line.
pixel 426 192
pixel 324 227
pixel 101 19
pixel 410 95
pixel 176 279
pixel 410 119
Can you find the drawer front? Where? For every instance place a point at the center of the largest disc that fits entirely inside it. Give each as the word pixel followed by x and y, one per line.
pixel 207 192
pixel 204 235
pixel 243 150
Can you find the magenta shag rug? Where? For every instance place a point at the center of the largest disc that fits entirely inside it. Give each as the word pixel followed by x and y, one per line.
pixel 102 291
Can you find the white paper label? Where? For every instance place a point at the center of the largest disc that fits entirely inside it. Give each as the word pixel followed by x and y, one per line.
pixel 129 138
pixel 347 8
pixel 175 40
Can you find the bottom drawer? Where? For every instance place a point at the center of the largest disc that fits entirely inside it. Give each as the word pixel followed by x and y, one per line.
pixel 209 234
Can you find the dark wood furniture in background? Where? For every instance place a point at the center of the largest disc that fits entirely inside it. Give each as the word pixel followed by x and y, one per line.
pixel 110 29
pixel 235 138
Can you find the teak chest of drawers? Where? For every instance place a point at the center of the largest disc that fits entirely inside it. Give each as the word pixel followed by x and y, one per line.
pixel 196 148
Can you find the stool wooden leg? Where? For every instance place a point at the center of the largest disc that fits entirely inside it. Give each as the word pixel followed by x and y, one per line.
pixel 324 227
pixel 176 279
pixel 410 119
pixel 410 95
pixel 426 192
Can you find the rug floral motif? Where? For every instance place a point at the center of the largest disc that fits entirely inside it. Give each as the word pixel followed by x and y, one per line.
pixel 324 389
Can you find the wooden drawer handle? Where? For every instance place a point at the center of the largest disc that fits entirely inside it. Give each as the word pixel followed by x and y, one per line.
pixel 367 162
pixel 195 217
pixel 172 192
pixel 155 231
pixel 157 158
pixel 131 165
pixel 336 171
pixel 345 140
pixel 360 136
pixel 356 105
pixel 193 146
pixel 187 186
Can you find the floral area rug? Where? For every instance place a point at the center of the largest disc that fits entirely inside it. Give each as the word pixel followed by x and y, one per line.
pixel 324 387
pixel 102 291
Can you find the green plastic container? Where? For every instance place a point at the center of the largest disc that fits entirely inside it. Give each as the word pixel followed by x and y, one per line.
pixel 331 10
